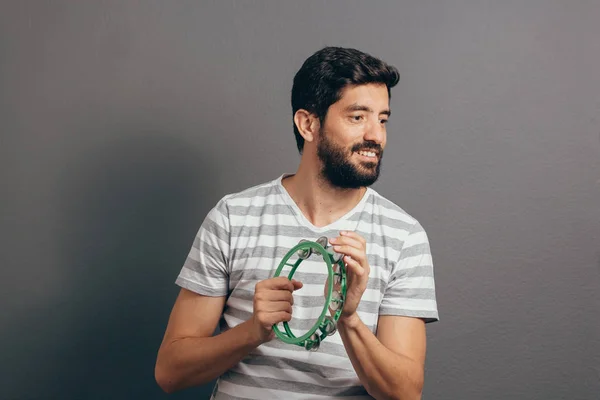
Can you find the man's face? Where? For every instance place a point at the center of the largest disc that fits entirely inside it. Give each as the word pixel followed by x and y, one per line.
pixel 353 135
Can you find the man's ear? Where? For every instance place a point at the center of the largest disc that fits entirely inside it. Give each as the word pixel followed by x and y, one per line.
pixel 308 125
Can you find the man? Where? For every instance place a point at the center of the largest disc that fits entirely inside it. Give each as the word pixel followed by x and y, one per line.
pixel 340 103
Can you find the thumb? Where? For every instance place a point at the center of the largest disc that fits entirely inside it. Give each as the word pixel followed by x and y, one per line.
pixel 297 284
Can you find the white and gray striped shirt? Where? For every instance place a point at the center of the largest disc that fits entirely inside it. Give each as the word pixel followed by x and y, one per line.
pixel 242 241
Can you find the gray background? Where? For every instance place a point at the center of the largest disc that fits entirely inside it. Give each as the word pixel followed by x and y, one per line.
pixel 123 122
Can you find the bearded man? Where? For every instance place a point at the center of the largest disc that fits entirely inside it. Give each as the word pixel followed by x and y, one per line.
pixel 340 104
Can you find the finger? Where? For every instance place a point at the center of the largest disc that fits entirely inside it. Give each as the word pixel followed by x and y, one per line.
pixel 353 235
pixel 280 282
pixel 269 319
pixel 275 306
pixel 277 317
pixel 357 254
pixel 275 295
pixel 347 241
pixel 354 266
pixel 297 284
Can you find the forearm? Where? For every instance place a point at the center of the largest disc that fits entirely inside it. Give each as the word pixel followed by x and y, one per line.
pixel 193 361
pixel 384 373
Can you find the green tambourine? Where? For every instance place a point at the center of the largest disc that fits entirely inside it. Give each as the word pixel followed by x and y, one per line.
pixel 336 270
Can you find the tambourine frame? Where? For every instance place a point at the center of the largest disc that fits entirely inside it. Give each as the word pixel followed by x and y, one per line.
pixel 307 340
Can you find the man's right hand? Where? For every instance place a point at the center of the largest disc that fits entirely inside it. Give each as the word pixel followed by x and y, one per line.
pixel 272 303
pixel 190 355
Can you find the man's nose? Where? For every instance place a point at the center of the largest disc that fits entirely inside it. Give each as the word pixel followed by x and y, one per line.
pixel 375 132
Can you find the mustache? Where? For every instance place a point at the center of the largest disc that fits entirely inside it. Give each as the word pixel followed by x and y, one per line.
pixel 368 146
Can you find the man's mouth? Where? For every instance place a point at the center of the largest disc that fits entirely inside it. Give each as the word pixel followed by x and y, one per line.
pixel 372 155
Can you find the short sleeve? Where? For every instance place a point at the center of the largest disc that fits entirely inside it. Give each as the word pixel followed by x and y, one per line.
pixel 411 287
pixel 205 270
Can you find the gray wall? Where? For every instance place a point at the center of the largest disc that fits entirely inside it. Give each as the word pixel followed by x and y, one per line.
pixel 123 122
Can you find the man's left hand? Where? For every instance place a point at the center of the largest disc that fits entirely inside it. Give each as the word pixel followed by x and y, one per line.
pixel 354 249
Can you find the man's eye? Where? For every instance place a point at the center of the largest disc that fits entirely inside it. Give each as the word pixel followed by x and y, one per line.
pixel 357 117
pixel 384 121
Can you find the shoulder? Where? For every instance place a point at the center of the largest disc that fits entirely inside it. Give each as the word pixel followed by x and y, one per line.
pixel 390 215
pixel 257 195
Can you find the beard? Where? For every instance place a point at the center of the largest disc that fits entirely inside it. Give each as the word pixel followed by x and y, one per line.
pixel 338 168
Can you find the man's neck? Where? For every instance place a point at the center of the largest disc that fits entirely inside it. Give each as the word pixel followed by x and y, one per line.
pixel 320 202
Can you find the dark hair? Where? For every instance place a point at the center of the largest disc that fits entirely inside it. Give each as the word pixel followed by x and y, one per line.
pixel 320 81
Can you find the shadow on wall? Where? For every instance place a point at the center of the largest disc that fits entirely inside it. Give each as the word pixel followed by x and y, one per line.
pixel 133 201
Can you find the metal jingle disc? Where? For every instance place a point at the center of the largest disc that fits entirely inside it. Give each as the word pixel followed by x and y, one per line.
pixel 313 343
pixel 337 279
pixel 335 256
pixel 330 327
pixel 304 253
pixel 323 241
pixel 336 298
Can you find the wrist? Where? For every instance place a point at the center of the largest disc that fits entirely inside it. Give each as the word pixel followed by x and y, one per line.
pixel 351 321
pixel 252 337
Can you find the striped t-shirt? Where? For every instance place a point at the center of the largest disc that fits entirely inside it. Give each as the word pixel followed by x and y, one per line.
pixel 242 241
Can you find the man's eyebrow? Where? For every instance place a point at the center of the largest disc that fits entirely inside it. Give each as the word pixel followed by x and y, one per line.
pixel 358 107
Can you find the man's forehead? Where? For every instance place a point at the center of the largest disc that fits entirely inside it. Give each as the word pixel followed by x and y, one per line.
pixel 373 96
